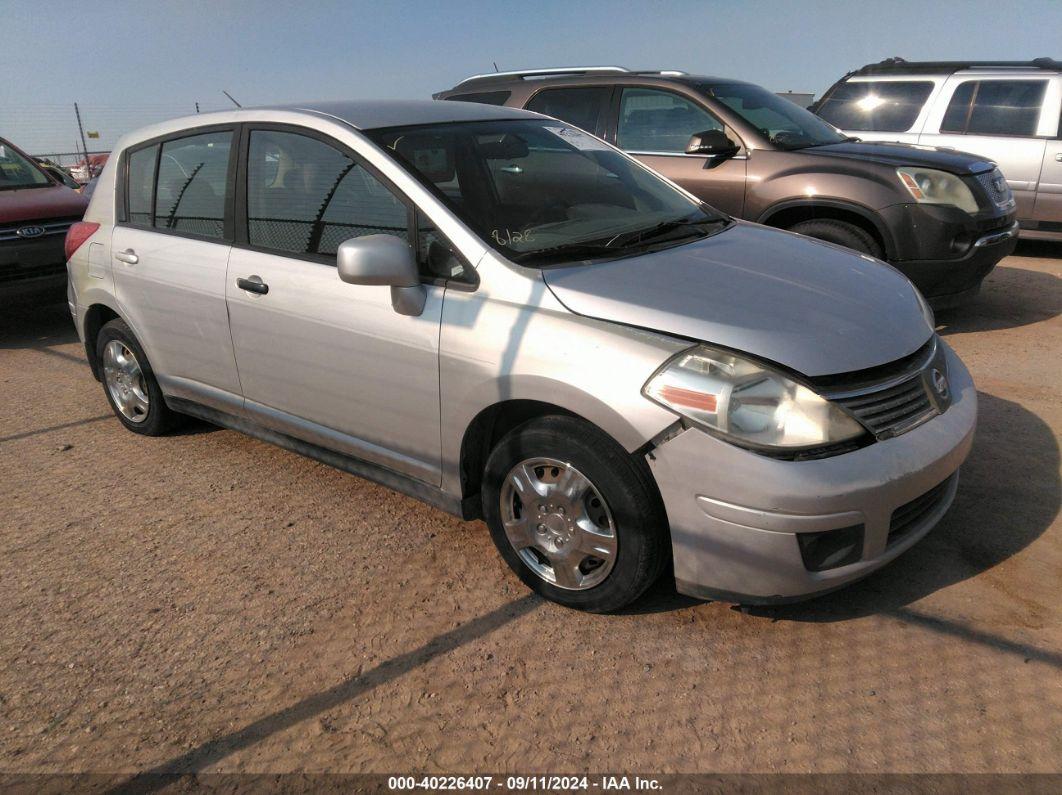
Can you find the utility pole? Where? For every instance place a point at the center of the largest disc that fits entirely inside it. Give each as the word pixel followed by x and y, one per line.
pixel 80 129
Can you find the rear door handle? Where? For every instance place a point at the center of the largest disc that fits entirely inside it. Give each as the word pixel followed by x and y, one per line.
pixel 128 256
pixel 1058 157
pixel 253 284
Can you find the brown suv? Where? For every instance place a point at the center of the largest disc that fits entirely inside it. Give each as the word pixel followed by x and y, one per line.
pixel 944 218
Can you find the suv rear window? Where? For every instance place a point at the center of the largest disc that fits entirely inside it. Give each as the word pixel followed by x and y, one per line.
pixel 582 107
pixel 883 105
pixel 995 107
pixel 483 97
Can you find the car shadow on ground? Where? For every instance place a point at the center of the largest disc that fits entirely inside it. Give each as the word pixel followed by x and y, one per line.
pixel 1009 494
pixel 1011 297
pixel 46 328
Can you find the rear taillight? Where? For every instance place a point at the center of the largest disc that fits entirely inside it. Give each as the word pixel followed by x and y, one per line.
pixel 78 234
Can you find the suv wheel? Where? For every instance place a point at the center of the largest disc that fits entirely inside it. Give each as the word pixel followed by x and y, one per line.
pixel 840 232
pixel 129 382
pixel 574 515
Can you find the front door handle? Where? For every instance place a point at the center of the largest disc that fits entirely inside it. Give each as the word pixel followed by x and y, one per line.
pixel 1058 157
pixel 253 284
pixel 128 256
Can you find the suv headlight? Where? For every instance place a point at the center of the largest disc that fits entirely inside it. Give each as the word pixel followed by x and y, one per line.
pixel 929 186
pixel 749 403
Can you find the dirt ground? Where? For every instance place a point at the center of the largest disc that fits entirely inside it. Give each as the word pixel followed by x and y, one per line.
pixel 206 602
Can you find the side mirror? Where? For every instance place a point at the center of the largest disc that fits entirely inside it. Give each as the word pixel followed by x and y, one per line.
pixel 713 143
pixel 383 260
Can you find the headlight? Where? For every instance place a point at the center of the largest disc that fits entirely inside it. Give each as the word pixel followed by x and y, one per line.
pixel 747 402
pixel 929 186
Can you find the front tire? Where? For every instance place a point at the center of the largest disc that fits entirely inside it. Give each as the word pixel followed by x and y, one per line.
pixel 129 382
pixel 576 517
pixel 841 233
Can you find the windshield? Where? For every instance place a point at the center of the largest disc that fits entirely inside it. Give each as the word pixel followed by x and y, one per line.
pixel 18 172
pixel 541 191
pixel 784 124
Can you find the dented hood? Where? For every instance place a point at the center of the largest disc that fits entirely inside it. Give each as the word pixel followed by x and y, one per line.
pixel 813 307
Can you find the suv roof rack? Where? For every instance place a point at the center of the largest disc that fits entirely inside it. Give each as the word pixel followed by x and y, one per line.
pixel 522 74
pixel 899 65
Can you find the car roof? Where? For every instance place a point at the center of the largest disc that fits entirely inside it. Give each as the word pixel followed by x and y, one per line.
pixel 361 115
pixel 505 80
pixel 375 114
pixel 898 66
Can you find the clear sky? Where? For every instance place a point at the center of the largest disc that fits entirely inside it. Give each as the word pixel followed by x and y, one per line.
pixel 128 63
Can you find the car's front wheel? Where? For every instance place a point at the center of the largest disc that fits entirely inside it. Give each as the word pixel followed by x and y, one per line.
pixel 574 515
pixel 129 382
pixel 840 232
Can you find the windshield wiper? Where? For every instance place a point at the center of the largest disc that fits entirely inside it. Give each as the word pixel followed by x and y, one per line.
pixel 626 239
pixel 566 251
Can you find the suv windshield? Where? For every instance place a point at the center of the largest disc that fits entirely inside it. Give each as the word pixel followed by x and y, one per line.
pixel 541 191
pixel 784 124
pixel 18 172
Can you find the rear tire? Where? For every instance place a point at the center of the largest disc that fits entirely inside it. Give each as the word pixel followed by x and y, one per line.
pixel 588 519
pixel 840 232
pixel 130 384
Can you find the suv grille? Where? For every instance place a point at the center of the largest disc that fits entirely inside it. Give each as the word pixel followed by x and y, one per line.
pixel 50 226
pixel 903 396
pixel 909 516
pixel 995 185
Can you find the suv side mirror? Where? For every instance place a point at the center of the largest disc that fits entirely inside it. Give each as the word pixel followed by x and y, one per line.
pixel 383 260
pixel 713 143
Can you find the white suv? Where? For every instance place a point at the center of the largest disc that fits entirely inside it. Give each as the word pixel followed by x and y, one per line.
pixel 1008 111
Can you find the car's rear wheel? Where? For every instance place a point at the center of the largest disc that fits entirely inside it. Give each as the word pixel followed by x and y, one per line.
pixel 129 382
pixel 574 515
pixel 840 232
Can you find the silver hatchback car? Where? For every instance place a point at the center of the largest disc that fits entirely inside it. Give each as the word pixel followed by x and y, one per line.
pixel 512 320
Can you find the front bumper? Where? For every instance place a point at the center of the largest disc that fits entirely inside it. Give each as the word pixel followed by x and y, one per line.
pixel 946 252
pixel 735 515
pixel 32 270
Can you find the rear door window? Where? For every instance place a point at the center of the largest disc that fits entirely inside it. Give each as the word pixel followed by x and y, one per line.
pixel 995 107
pixel 882 105
pixel 583 107
pixel 659 121
pixel 193 183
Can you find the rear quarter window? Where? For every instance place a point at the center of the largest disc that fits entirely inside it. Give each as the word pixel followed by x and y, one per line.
pixel 482 97
pixel 881 105
pixel 140 185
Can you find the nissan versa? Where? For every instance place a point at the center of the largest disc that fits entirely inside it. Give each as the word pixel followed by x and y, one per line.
pixel 509 318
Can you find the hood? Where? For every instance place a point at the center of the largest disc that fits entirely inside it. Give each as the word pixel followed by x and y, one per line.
pixel 893 154
pixel 35 204
pixel 813 307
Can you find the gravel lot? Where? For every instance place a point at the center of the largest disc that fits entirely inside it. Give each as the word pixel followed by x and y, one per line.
pixel 206 602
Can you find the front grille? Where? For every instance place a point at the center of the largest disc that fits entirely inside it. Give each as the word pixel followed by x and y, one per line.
pixel 995 185
pixel 894 398
pixel 50 227
pixel 894 410
pixel 911 515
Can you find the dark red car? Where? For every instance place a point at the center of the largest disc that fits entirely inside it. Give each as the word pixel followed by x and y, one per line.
pixel 36 210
